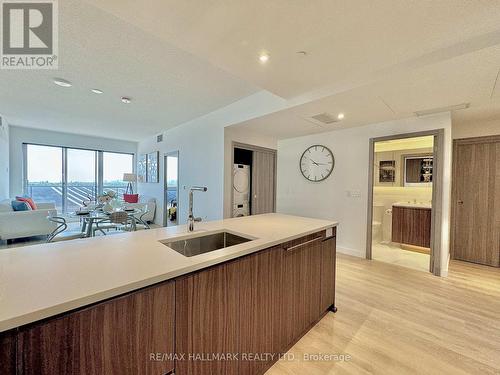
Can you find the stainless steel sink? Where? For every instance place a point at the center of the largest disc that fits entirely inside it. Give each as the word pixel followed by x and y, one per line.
pixel 205 243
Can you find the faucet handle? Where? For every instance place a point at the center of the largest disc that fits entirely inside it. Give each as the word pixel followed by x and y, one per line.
pixel 197 219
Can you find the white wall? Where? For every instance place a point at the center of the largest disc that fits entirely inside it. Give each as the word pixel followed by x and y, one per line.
pixel 479 128
pixel 201 145
pixel 241 135
pixel 331 199
pixel 4 159
pixel 19 135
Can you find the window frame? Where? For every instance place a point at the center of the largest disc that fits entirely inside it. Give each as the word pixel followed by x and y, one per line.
pixel 99 166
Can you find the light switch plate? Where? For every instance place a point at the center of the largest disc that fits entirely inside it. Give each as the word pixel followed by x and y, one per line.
pixel 354 193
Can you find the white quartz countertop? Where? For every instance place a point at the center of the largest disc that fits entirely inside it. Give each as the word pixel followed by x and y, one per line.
pixel 423 205
pixel 40 281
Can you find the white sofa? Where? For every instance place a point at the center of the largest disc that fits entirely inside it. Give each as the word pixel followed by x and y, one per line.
pixel 150 203
pixel 18 224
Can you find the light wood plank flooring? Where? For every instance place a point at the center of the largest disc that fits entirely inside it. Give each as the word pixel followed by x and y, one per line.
pixel 395 320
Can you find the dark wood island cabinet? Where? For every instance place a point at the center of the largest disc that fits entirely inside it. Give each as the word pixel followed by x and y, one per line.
pixel 236 317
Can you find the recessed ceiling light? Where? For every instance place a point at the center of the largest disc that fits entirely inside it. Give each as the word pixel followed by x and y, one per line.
pixel 62 82
pixel 97 91
pixel 264 57
pixel 126 100
pixel 340 116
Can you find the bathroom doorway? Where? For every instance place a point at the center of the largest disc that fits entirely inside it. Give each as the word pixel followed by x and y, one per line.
pixel 171 189
pixel 402 229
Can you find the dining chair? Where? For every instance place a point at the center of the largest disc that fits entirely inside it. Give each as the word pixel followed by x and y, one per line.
pixel 116 220
pixel 62 225
pixel 140 217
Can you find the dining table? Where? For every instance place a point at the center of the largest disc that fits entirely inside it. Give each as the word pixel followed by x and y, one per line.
pixel 89 218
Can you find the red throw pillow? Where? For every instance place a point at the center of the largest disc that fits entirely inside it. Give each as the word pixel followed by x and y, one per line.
pixel 27 200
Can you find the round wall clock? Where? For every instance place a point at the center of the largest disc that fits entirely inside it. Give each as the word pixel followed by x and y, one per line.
pixel 316 163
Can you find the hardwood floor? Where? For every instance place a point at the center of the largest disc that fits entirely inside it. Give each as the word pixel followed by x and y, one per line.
pixel 395 320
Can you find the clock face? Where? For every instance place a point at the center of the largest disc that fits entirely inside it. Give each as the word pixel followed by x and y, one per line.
pixel 317 163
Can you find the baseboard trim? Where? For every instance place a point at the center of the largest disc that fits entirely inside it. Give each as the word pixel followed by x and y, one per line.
pixel 353 252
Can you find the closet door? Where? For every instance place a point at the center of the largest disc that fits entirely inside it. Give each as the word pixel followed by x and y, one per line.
pixel 476 200
pixel 263 182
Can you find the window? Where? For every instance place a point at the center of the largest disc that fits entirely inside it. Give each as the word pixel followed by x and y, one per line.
pixel 82 177
pixel 69 176
pixel 114 166
pixel 44 174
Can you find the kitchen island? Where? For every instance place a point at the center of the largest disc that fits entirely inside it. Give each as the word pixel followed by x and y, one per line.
pixel 129 304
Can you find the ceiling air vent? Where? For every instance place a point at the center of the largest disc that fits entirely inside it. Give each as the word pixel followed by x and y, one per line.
pixel 322 119
pixel 159 138
pixel 450 108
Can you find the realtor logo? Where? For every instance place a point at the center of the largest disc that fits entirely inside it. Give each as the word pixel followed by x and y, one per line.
pixel 29 34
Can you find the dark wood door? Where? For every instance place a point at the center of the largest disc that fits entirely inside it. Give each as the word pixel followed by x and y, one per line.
pixel 301 286
pixel 207 313
pixel 476 201
pixel 259 310
pixel 328 260
pixel 263 182
pixel 114 337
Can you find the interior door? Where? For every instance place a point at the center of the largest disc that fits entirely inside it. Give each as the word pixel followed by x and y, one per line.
pixel 476 201
pixel 263 182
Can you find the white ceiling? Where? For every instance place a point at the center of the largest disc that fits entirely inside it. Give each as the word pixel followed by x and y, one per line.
pixel 469 78
pixel 372 60
pixel 344 39
pixel 168 86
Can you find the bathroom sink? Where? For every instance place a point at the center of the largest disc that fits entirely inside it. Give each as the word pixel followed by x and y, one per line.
pixel 205 243
pixel 413 204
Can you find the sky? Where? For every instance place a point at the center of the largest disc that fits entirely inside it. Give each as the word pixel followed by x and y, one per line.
pixel 172 171
pixel 45 164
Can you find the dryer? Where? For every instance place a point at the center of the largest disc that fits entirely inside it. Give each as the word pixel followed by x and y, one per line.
pixel 240 210
pixel 241 184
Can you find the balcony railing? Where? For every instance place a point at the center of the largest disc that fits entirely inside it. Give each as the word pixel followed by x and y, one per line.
pixel 77 192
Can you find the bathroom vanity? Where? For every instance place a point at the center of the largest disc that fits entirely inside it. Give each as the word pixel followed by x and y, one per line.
pixel 157 302
pixel 411 224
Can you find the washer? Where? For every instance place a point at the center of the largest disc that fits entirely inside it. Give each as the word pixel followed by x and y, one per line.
pixel 240 210
pixel 241 184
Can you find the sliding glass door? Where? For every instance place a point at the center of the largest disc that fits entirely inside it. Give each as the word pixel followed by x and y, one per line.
pixel 81 177
pixel 44 174
pixel 69 176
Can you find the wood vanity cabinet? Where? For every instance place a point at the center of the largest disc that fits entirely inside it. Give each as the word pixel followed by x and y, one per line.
pixel 114 337
pixel 411 226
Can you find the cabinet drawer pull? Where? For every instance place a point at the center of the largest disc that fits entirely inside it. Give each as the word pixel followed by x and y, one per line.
pixel 302 244
pixel 329 238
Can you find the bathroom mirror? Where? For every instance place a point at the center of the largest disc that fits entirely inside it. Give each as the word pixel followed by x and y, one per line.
pixel 418 170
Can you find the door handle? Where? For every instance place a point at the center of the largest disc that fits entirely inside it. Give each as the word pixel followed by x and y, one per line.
pixel 460 202
pixel 303 244
pixel 329 238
